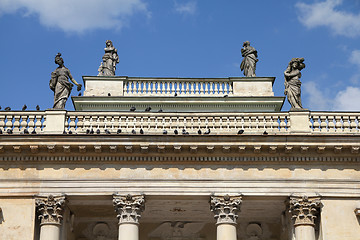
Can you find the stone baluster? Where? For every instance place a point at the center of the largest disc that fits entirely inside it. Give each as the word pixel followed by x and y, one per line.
pixel 50 209
pixel 225 209
pixel 304 210
pixel 129 209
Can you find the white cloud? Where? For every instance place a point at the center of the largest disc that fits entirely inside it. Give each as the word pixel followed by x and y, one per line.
pixel 355 57
pixel 77 15
pixel 319 100
pixel 186 8
pixel 347 100
pixel 325 14
pixel 316 99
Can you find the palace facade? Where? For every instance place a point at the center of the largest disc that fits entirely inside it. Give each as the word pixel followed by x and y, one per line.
pixel 179 159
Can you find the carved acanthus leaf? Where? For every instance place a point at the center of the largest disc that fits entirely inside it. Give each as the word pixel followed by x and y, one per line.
pixel 304 209
pixel 225 208
pixel 129 208
pixel 50 209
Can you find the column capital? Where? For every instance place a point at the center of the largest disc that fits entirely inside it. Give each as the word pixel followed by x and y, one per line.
pixel 225 208
pixel 50 209
pixel 129 207
pixel 304 209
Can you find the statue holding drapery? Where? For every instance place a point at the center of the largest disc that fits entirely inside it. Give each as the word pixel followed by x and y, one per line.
pixel 248 64
pixel 60 84
pixel 109 60
pixel 292 83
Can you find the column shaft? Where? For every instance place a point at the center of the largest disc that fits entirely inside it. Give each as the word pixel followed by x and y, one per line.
pixel 50 232
pixel 128 231
pixel 226 232
pixel 305 232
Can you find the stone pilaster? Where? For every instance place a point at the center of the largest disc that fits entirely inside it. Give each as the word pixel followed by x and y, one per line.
pixel 304 210
pixel 129 207
pixel 50 209
pixel 225 208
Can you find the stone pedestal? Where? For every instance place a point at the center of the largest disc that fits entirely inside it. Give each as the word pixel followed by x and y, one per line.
pixel 128 209
pixel 225 209
pixel 50 211
pixel 304 210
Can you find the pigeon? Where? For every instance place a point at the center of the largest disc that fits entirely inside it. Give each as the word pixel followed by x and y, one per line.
pixel 118 131
pixel 7 109
pixel 148 109
pixel 9 131
pixel 70 132
pixel 92 131
pixel 241 131
pixel 176 131
pixel 109 94
pixel 265 133
pixel 87 131
pixel 207 131
pixel 132 109
pixel 37 108
pixel 160 111
pixel 199 132
pixel 175 95
pixel 141 131
pixel 164 132
pixel 24 107
pixel 98 131
pixel 133 131
pixel 107 131
pixel 0 131
pixel 184 131
pixel 226 95
pixel 0 107
pixel 79 94
pixel 33 132
pixel 26 131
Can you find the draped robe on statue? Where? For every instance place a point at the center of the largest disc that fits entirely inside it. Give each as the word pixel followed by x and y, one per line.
pixel 61 86
pixel 248 64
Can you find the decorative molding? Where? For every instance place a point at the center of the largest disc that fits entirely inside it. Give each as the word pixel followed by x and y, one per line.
pixel 50 209
pixel 225 208
pixel 67 148
pixel 17 149
pixel 129 207
pixel 304 209
pixel 142 158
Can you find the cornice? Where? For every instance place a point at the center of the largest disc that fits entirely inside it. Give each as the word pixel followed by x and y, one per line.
pixel 274 148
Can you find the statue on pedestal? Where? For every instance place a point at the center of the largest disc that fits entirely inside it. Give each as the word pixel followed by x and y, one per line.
pixel 59 83
pixel 248 64
pixel 110 59
pixel 292 82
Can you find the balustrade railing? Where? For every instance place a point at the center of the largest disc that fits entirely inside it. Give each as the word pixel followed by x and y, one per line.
pixel 175 123
pixel 22 122
pixel 334 122
pixel 18 122
pixel 169 87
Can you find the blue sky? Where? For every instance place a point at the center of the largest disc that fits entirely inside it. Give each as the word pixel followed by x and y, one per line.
pixel 182 38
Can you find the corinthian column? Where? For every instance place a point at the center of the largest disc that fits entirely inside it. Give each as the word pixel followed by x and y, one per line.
pixel 50 211
pixel 128 209
pixel 225 209
pixel 304 211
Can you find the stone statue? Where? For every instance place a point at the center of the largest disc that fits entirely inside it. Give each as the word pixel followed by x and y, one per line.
pixel 60 84
pixel 248 64
pixel 292 82
pixel 110 59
